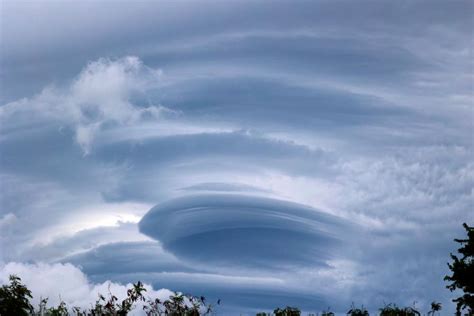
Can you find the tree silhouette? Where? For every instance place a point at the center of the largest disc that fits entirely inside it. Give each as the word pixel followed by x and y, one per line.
pixel 287 311
pixel 15 298
pixel 462 277
pixel 15 301
pixel 327 313
pixel 394 310
pixel 357 311
pixel 435 307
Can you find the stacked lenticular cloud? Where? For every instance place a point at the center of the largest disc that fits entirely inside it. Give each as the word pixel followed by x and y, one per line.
pixel 244 230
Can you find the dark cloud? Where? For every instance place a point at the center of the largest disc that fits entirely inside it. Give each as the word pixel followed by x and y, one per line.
pixel 239 230
pixel 259 101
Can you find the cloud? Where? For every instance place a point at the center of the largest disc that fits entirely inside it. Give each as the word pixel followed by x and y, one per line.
pixel 391 172
pixel 223 187
pixel 366 117
pixel 240 291
pixel 135 257
pixel 66 243
pixel 239 231
pixel 101 95
pixel 65 282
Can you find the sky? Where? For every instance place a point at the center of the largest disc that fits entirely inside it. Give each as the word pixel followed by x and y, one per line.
pixel 304 153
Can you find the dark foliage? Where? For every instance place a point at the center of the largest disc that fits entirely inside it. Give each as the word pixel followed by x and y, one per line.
pixel 15 298
pixel 435 307
pixel 327 313
pixel 357 311
pixel 287 311
pixel 462 277
pixel 394 310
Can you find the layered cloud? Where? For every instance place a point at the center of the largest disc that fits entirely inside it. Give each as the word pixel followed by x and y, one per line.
pixel 298 155
pixel 240 231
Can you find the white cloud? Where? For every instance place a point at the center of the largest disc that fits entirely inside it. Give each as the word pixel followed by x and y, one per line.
pixel 101 94
pixel 93 217
pixel 68 283
pixel 7 219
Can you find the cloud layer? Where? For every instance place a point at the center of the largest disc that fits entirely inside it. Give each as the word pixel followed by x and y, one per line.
pixel 295 155
pixel 239 231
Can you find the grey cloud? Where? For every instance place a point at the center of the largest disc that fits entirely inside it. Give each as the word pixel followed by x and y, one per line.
pixel 239 293
pixel 165 24
pixel 181 155
pixel 147 261
pixel 239 230
pixel 272 102
pixel 82 244
pixel 122 258
pixel 360 108
pixel 223 187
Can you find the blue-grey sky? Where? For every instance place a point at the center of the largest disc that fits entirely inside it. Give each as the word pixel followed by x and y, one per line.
pixel 308 153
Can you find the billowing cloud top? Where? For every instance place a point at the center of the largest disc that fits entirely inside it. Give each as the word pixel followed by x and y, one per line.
pixel 309 153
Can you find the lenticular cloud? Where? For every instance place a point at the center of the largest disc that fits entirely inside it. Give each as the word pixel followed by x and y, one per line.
pixel 237 230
